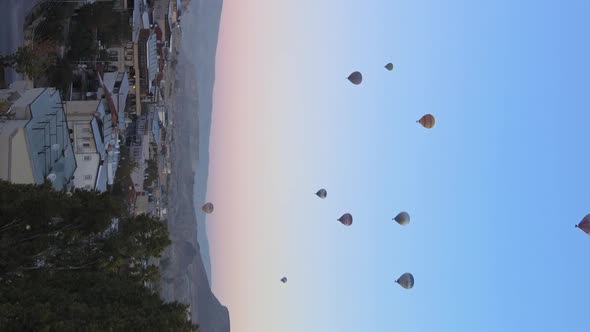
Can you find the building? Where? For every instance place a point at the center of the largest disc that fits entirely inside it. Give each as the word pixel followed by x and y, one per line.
pixel 145 51
pixel 34 139
pixel 121 57
pixel 17 86
pixel 172 13
pixel 160 12
pixel 102 118
pixel 114 90
pixel 162 112
pixel 148 62
pixel 155 129
pixel 117 83
pixel 87 131
pixel 138 142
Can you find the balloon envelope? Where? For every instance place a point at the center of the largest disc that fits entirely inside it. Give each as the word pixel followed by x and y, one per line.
pixel 208 208
pixel 584 225
pixel 355 78
pixel 427 121
pixel 403 218
pixel 389 66
pixel 406 280
pixel 322 193
pixel 346 219
pixel 284 280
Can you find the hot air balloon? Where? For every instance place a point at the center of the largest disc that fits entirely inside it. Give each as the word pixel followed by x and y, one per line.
pixel 322 193
pixel 284 280
pixel 208 208
pixel 346 219
pixel 355 78
pixel 584 225
pixel 403 218
pixel 406 280
pixel 389 66
pixel 427 121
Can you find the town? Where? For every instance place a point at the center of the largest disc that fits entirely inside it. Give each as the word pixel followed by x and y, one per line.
pixel 85 166
pixel 91 111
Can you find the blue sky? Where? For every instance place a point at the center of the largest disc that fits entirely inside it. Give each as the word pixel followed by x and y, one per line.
pixel 494 190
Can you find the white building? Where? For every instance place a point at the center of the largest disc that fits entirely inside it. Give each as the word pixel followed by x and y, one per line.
pixel 34 140
pixel 139 150
pixel 95 130
pixel 87 129
pixel 117 83
pixel 114 90
pixel 121 56
pixel 148 66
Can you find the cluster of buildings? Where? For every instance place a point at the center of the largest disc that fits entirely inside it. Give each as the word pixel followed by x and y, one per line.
pixel 75 143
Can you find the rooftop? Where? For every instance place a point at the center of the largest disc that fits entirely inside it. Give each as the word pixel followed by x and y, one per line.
pixel 38 127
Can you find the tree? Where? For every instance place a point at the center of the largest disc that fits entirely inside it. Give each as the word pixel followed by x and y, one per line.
pixel 34 61
pixel 82 42
pixel 86 301
pixel 40 227
pixel 123 183
pixel 60 271
pixel 113 27
pixel 139 237
pixel 151 170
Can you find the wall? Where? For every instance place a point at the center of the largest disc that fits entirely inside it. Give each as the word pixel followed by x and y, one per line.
pixel 85 175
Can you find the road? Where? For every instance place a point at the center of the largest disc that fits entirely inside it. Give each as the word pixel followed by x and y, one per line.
pixel 12 18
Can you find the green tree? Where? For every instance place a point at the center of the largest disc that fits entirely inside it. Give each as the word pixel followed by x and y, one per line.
pixel 60 270
pixel 83 43
pixel 113 27
pixel 34 62
pixel 40 227
pixel 151 170
pixel 86 301
pixel 123 183
pixel 139 237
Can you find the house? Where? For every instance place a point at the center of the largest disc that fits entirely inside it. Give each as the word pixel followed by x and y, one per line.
pixel 138 141
pixel 148 62
pixel 121 56
pixel 34 138
pixel 144 68
pixel 172 13
pixel 155 127
pixel 114 89
pixel 160 12
pixel 116 86
pixel 87 131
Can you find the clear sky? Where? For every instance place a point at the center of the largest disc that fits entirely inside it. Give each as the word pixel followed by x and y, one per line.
pixel 494 190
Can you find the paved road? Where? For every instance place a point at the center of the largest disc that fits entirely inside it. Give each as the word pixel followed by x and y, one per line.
pixel 12 18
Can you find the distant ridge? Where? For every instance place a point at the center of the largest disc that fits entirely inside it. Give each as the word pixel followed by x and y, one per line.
pixel 186 267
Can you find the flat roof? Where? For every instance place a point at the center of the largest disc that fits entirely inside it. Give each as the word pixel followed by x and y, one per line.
pixel 48 139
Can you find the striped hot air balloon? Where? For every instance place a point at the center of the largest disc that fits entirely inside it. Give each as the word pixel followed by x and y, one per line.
pixel 427 121
pixel 346 219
